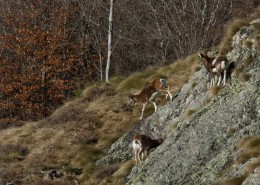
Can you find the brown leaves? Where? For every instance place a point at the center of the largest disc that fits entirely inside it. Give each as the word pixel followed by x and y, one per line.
pixel 40 60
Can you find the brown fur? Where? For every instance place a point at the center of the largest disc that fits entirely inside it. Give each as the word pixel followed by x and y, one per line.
pixel 148 90
pixel 146 144
pixel 211 63
pixel 149 93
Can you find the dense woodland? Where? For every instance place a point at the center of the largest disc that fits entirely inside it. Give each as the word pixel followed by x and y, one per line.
pixel 51 48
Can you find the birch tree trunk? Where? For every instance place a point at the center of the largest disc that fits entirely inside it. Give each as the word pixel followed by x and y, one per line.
pixel 109 42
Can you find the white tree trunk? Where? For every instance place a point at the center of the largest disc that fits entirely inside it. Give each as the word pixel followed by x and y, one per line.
pixel 109 42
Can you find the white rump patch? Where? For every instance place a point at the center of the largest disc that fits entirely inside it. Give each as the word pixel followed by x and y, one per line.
pixel 136 145
pixel 223 64
pixel 214 70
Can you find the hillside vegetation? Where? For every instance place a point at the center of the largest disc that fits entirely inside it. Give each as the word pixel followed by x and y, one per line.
pixel 76 139
pixel 79 133
pixel 211 135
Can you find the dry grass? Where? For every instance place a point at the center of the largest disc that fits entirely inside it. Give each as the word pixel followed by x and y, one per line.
pixel 85 155
pixel 115 80
pixel 249 147
pixel 193 85
pixel 124 169
pixel 106 171
pixel 256 27
pixel 257 34
pixel 9 174
pixel 246 62
pixel 79 133
pixel 10 152
pixel 111 174
pixel 236 72
pixel 40 181
pixel 233 181
pixel 206 101
pixel 257 41
pixel 252 166
pixel 173 126
pixel 135 81
pixel 190 112
pixel 247 44
pixel 231 30
pixel 214 91
pixel 256 13
pixel 231 131
pixel 176 74
pixel 91 94
pixel 244 77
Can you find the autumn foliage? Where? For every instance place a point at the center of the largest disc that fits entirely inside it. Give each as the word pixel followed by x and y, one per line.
pixel 40 62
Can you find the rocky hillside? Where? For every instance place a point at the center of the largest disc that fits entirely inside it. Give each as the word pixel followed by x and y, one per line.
pixel 204 130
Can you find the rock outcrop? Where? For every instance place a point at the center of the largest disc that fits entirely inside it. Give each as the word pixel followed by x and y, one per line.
pixel 200 126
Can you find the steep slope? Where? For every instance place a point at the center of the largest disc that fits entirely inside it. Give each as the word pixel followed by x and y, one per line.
pixel 202 127
pixel 80 132
pixel 205 130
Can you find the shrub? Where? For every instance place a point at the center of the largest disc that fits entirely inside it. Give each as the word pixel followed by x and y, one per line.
pixel 106 171
pixel 9 152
